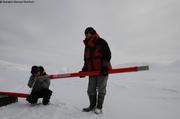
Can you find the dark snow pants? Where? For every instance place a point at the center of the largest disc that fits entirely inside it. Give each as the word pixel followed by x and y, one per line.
pixel 35 95
pixel 97 85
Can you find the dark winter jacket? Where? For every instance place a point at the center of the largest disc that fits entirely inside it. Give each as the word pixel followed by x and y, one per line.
pixel 40 83
pixel 97 54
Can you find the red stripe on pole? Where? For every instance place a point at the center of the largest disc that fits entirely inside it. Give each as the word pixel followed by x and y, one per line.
pixel 94 73
pixel 22 95
pixel 124 70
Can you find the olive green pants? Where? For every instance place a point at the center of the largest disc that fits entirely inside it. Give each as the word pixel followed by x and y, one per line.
pixel 97 85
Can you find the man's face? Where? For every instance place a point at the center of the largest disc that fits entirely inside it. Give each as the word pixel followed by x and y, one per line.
pixel 88 35
pixel 36 73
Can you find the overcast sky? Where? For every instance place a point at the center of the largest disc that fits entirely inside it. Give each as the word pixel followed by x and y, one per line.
pixel 136 30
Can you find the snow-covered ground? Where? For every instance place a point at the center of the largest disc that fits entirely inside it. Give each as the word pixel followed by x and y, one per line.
pixel 153 94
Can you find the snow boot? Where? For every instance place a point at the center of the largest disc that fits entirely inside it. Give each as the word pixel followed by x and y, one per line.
pixel 32 99
pixel 92 100
pixel 46 97
pixel 98 109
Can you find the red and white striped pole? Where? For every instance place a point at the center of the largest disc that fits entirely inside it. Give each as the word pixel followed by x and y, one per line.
pixel 96 73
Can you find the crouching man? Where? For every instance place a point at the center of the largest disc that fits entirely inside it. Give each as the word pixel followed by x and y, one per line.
pixel 39 82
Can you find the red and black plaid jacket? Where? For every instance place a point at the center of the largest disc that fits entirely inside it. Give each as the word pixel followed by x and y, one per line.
pixel 97 54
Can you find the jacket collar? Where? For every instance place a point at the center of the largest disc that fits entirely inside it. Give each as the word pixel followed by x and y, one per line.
pixel 92 41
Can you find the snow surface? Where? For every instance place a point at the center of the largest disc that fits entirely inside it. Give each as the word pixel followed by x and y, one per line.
pixel 139 32
pixel 153 94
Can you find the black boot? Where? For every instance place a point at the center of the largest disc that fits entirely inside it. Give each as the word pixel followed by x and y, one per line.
pixel 100 101
pixel 92 100
pixel 99 107
pixel 32 98
pixel 46 97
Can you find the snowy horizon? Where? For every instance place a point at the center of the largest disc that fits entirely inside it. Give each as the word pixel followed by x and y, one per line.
pixel 137 31
pixel 51 33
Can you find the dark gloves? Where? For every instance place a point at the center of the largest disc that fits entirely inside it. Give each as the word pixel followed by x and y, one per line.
pixel 104 71
pixel 81 76
pixel 83 70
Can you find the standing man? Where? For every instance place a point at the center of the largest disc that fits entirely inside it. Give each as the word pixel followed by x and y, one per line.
pixel 97 56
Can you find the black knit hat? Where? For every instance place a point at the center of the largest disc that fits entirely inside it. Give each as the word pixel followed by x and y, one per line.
pixel 41 70
pixel 90 30
pixel 34 69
